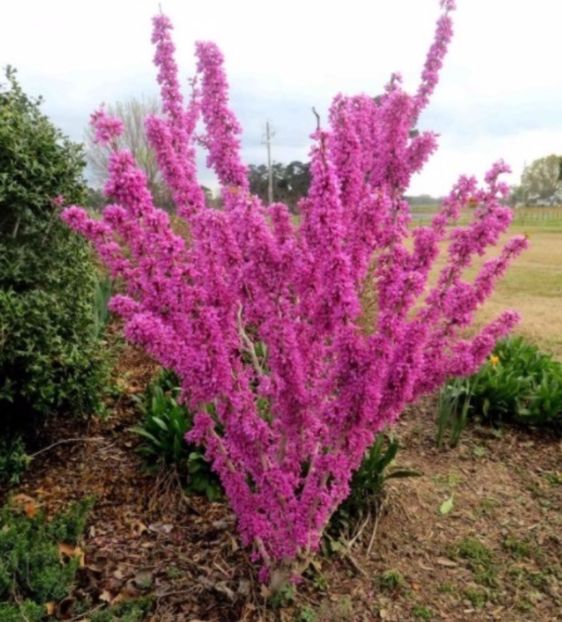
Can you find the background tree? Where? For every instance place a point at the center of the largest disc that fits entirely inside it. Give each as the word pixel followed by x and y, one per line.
pixel 517 196
pixel 290 182
pixel 542 179
pixel 49 348
pixel 132 113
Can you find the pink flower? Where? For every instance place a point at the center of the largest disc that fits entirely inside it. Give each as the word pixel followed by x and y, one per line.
pixel 106 128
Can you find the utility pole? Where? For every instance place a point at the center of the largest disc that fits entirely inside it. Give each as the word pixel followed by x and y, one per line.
pixel 268 136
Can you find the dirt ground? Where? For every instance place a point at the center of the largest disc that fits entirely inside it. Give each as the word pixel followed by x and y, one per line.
pixel 495 555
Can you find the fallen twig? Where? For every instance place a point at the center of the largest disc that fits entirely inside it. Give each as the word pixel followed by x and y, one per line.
pixel 354 563
pixel 359 532
pixel 85 615
pixel 93 439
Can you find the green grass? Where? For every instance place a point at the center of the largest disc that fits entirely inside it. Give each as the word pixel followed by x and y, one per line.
pixel 480 560
pixel 422 613
pixel 533 287
pixel 533 284
pixel 391 581
pixel 477 597
pixel 540 218
pixel 519 549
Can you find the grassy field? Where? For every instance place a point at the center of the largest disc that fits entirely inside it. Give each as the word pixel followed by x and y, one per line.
pixel 533 284
pixel 545 218
pixel 533 287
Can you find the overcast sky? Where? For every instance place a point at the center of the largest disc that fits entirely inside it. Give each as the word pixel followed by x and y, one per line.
pixel 500 93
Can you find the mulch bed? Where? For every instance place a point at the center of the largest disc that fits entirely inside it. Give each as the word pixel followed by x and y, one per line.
pixel 145 538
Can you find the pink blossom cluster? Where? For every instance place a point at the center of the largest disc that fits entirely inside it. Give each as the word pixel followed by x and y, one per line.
pixel 106 127
pixel 264 319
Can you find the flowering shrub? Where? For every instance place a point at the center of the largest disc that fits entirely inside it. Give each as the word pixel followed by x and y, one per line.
pixel 263 320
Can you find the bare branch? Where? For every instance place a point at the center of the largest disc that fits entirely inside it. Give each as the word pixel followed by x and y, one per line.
pixel 317 117
pixel 249 344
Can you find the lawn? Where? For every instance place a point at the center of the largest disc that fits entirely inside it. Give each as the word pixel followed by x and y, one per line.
pixel 533 284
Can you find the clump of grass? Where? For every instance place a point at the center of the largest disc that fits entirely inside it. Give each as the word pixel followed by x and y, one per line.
pixel 447 587
pixel 391 581
pixel 453 411
pixel 554 478
pixel 282 597
pixel 320 582
pixel 421 612
pixel 538 580
pixel 306 614
pixel 449 480
pixel 524 605
pixel 162 429
pixel 368 484
pixel 488 505
pixel 519 549
pixel 476 596
pixel 473 550
pixel 480 560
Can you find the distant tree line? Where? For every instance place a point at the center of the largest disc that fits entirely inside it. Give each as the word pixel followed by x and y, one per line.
pixel 423 200
pixel 541 181
pixel 290 182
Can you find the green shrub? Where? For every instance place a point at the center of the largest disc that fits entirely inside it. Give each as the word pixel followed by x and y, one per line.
pixel 32 570
pixel 163 428
pixel 103 293
pixel 50 357
pixel 518 384
pixel 165 422
pixel 367 483
pixel 27 611
pixel 13 460
pixel 524 385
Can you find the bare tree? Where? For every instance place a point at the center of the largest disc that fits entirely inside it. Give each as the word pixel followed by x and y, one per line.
pixel 133 113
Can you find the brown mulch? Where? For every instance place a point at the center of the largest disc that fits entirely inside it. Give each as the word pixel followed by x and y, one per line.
pixel 145 538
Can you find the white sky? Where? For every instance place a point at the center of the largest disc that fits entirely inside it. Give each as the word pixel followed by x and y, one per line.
pixel 500 93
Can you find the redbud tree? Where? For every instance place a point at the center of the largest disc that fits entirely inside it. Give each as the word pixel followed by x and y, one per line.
pixel 263 319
